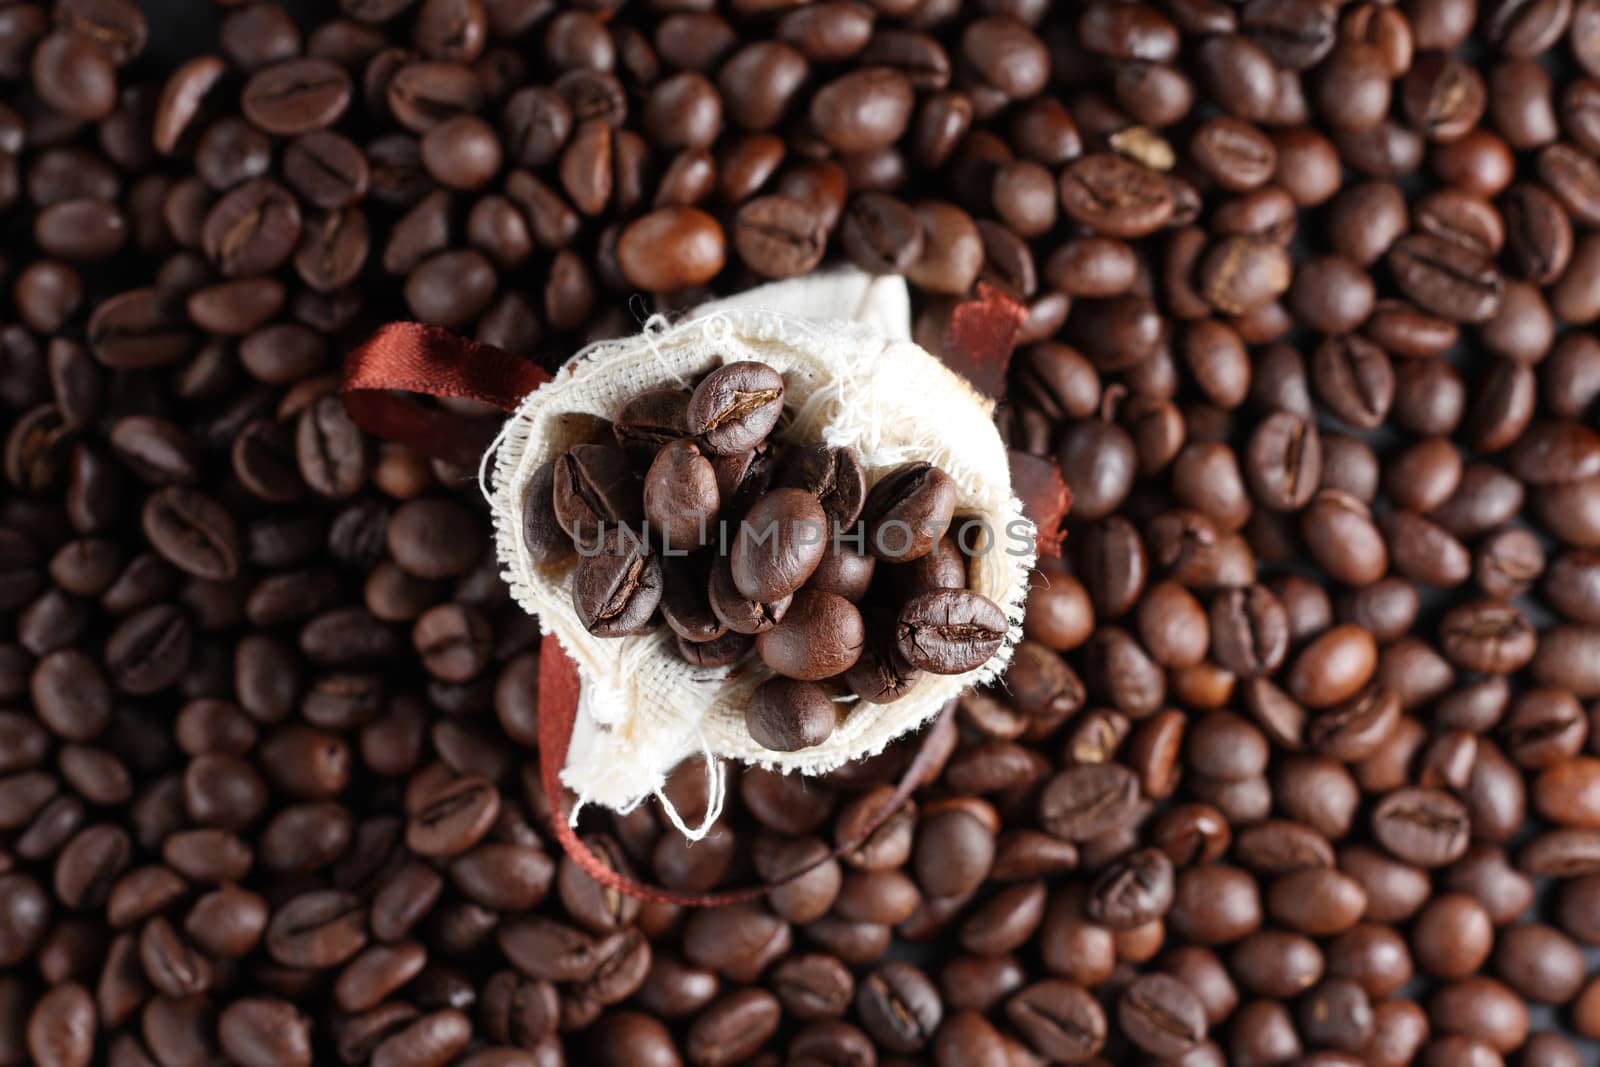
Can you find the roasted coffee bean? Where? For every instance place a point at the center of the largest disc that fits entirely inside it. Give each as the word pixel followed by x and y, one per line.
pixel 329 449
pixel 1447 280
pixel 899 1007
pixel 256 1031
pixel 149 650
pixel 1136 890
pixel 820 636
pixel 1249 631
pixel 880 675
pixel 907 512
pixel 780 543
pixel 1354 378
pixel 949 631
pixel 862 111
pixel 697 249
pixel 1161 1016
pixel 1421 826
pixel 881 234
pixel 787 715
pixel 316 930
pixel 252 229
pixel 736 611
pixel 296 96
pixel 617 589
pixel 778 236
pixel 1114 196
pixel 680 496
pixel 650 420
pixel 833 475
pixel 1088 801
pixel 685 599
pixel 594 493
pixel 452 818
pixel 193 533
pixel 736 406
pixel 1284 461
pixel 451 288
pixel 328 171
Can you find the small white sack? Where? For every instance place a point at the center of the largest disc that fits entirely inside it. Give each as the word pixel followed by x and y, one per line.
pixel 852 378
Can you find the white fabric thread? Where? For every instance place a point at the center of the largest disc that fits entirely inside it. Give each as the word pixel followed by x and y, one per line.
pixel 860 384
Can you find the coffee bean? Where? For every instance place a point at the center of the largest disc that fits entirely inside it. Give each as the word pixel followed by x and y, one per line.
pixel 779 545
pixel 736 406
pixel 256 1031
pixel 1447 281
pixel 296 96
pixel 74 75
pixel 899 1007
pixel 252 229
pixel 864 110
pixel 171 966
pixel 1284 461
pixel 880 676
pixel 333 250
pixel 881 234
pixel 820 636
pixel 452 818
pixel 834 476
pixel 326 170
pixel 450 288
pixel 952 249
pixel 949 631
pixel 1239 274
pixel 461 152
pixel 739 613
pixel 317 930
pixel 1487 636
pixel 907 511
pixel 150 650
pixel 680 495
pixel 685 600
pixel 1249 631
pixel 1161 1016
pixel 617 589
pixel 61 1028
pixel 1421 826
pixel 695 240
pixel 433 1038
pixel 1087 801
pixel 1114 196
pixel 193 533
pixel 787 716
pixel 733 1027
pixel 594 492
pixel 652 419
pixel 1058 1019
pixel 778 237
pixel 1133 891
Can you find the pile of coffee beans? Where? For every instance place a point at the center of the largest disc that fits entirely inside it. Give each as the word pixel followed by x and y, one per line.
pixel 738 542
pixel 1299 762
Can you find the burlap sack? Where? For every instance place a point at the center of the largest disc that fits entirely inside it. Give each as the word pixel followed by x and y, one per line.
pixel 852 378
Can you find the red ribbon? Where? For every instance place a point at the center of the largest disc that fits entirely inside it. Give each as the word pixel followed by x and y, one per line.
pixel 1045 498
pixel 977 339
pixel 410 358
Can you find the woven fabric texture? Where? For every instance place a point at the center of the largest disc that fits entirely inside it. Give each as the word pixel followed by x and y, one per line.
pixel 856 381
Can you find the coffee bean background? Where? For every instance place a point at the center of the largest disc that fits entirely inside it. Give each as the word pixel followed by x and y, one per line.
pixel 1300 762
